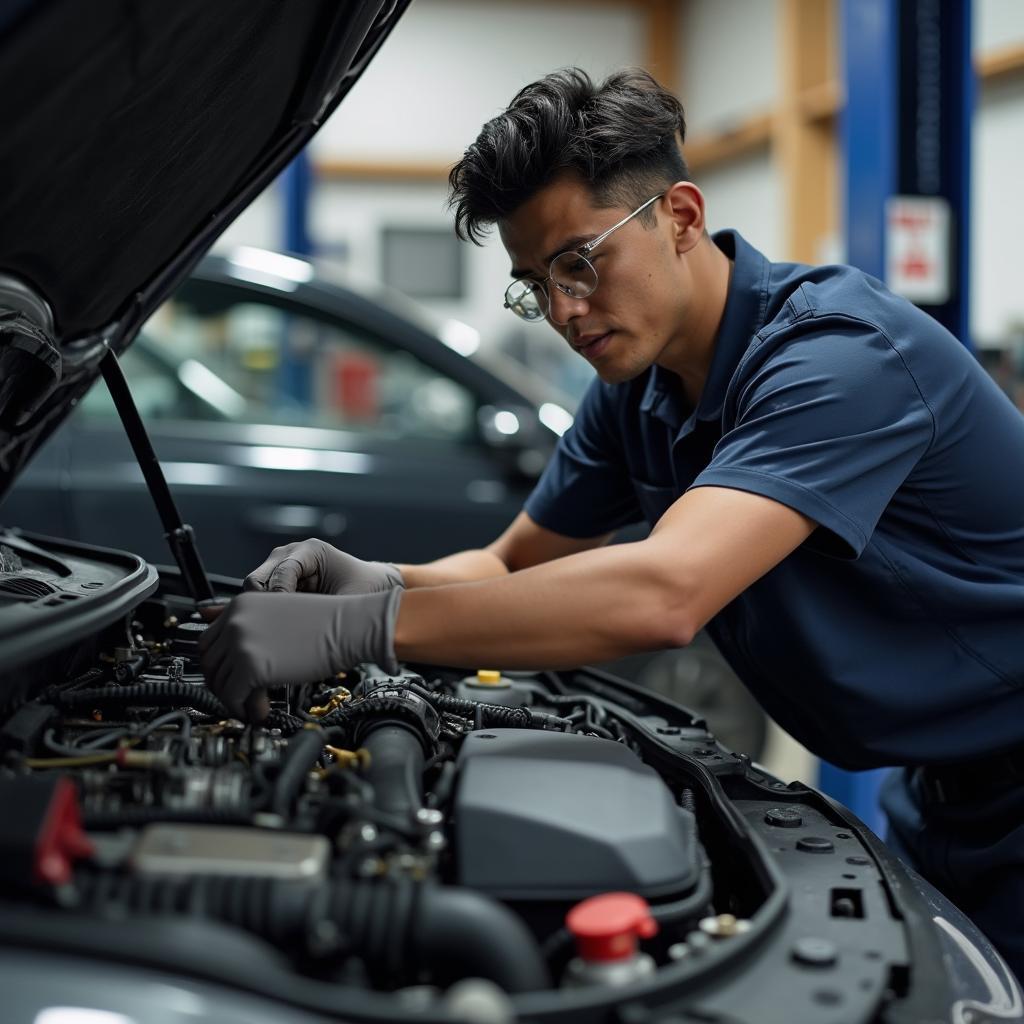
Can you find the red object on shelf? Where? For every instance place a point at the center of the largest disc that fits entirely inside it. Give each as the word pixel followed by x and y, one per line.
pixel 355 386
pixel 607 927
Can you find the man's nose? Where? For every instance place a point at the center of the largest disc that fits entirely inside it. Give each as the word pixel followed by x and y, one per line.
pixel 562 308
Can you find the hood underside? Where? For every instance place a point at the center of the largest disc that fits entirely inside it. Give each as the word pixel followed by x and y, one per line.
pixel 142 130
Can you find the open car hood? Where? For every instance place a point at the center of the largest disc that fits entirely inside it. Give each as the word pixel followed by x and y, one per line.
pixel 146 130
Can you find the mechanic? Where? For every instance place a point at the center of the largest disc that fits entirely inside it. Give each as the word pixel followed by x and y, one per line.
pixel 834 489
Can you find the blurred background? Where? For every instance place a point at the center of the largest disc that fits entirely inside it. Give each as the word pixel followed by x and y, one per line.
pixel 764 84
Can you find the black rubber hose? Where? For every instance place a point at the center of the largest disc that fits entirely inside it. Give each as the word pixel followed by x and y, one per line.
pixel 270 908
pixel 696 905
pixel 288 724
pixel 397 927
pixel 395 769
pixel 489 715
pixel 300 757
pixel 472 935
pixel 159 695
pixel 131 668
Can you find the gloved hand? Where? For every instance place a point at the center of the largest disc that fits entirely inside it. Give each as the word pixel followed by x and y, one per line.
pixel 266 640
pixel 314 566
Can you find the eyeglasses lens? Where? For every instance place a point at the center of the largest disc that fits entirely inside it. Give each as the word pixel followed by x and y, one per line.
pixel 573 275
pixel 527 300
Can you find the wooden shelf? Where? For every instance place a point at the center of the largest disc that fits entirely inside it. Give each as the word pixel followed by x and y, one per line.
pixel 817 104
pixel 1004 63
pixel 383 170
pixel 750 136
pixel 821 102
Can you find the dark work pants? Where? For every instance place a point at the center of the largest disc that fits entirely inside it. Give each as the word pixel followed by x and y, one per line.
pixel 972 852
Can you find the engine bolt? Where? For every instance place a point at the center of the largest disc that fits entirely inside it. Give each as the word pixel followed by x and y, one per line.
pixel 371 867
pixel 324 938
pixel 815 952
pixel 436 842
pixel 429 816
pixel 368 833
pixel 723 926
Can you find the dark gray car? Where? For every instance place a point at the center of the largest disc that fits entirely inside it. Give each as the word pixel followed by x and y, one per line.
pixel 283 406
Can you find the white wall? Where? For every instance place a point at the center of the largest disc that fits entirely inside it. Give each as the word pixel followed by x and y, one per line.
pixel 997 198
pixel 728 55
pixel 747 195
pixel 997 215
pixel 997 23
pixel 729 65
pixel 452 64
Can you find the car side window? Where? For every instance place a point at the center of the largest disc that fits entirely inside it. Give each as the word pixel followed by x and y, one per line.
pixel 249 361
pixel 155 386
pixel 262 363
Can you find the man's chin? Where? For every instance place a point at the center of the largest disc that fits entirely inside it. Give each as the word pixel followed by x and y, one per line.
pixel 617 374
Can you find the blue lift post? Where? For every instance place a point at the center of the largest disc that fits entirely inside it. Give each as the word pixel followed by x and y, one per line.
pixel 297 186
pixel 906 131
pixel 293 380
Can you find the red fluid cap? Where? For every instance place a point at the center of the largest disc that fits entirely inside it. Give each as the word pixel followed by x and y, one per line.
pixel 606 927
pixel 60 840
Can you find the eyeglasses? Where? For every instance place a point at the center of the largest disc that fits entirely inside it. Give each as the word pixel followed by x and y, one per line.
pixel 570 272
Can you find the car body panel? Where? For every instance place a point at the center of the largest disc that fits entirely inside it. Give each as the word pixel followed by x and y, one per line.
pixel 247 486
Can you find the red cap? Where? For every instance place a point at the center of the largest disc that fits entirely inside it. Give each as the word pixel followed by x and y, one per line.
pixel 607 927
pixel 60 840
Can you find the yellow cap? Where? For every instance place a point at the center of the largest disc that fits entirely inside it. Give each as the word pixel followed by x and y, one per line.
pixel 489 676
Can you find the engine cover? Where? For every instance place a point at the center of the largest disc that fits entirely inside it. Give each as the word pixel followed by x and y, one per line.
pixel 557 816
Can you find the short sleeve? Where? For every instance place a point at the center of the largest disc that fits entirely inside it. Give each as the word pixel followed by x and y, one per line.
pixel 830 422
pixel 585 490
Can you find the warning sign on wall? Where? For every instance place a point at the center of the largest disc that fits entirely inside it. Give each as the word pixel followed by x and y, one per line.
pixel 917 248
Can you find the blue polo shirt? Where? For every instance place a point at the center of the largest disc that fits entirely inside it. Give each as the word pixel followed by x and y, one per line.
pixel 895 633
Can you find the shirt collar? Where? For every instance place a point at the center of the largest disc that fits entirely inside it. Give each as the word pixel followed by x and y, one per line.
pixel 745 310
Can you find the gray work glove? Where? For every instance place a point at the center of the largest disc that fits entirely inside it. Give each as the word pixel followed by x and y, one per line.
pixel 315 567
pixel 263 640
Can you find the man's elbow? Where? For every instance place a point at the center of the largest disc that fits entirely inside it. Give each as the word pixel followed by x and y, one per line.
pixel 665 620
pixel 675 628
pixel 674 620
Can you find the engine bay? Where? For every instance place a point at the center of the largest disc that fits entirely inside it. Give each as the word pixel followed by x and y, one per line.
pixel 550 843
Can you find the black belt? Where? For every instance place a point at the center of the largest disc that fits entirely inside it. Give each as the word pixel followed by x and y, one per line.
pixel 969 780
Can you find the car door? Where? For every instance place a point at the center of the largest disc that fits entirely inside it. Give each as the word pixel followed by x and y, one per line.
pixel 276 420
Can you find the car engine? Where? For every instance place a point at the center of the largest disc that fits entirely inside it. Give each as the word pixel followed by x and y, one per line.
pixel 435 845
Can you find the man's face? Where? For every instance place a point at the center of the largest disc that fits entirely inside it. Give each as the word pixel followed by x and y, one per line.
pixel 637 309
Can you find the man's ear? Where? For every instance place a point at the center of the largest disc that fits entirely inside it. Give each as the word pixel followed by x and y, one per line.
pixel 685 204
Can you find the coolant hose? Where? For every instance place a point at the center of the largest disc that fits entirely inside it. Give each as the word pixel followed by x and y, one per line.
pixel 476 936
pixel 302 753
pixel 397 927
pixel 395 768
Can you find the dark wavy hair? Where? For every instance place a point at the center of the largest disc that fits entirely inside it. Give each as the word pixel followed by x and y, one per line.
pixel 622 138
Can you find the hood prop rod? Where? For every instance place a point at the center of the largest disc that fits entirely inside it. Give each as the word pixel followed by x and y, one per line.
pixel 180 536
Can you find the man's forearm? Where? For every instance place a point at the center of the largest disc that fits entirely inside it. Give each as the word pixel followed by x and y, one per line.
pixel 585 607
pixel 462 567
